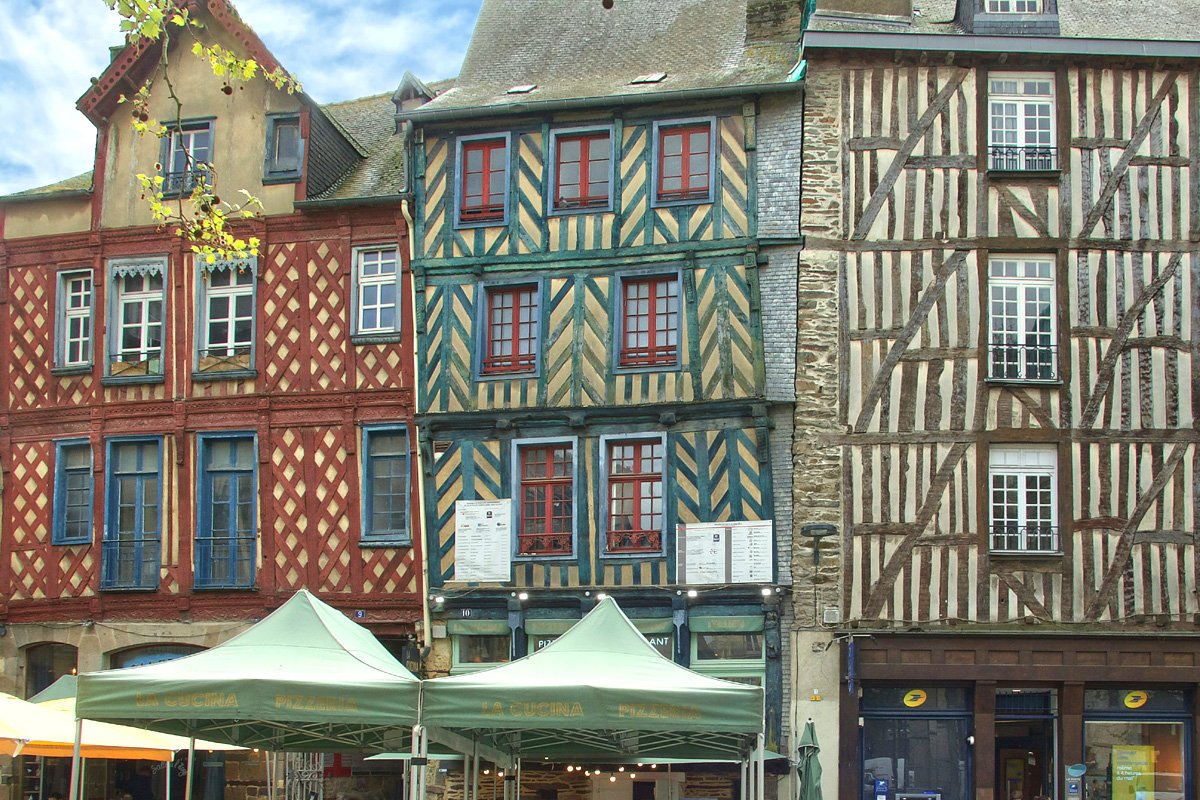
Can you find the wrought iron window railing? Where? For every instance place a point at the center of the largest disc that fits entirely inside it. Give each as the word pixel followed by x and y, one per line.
pixel 129 564
pixel 1030 538
pixel 224 561
pixel 184 181
pixel 1022 158
pixel 544 544
pixel 1022 362
pixel 634 541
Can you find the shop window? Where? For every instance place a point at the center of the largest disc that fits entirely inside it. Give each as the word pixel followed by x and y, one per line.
pixel 285 149
pixel 133 521
pixel 1135 744
pixel 1022 341
pixel 1021 130
pixel 915 741
pixel 225 518
pixel 45 663
pixel 474 652
pixel 635 494
pixel 510 329
pixel 545 498
pixel 136 325
pixel 1023 482
pixel 72 492
pixel 683 162
pixel 73 325
pixel 376 291
pixel 730 656
pixel 649 322
pixel 225 328
pixel 483 179
pixel 385 485
pixel 187 157
pixel 582 170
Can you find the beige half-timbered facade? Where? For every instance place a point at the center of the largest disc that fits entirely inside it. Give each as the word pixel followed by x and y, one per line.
pixel 1008 194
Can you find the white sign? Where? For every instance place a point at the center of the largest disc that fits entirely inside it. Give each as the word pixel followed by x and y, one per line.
pixel 725 552
pixel 482 543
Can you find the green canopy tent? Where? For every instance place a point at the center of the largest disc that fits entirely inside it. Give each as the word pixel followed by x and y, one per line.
pixel 598 691
pixel 305 678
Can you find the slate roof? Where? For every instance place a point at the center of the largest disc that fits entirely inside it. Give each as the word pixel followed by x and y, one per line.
pixel 78 185
pixel 573 49
pixel 1168 20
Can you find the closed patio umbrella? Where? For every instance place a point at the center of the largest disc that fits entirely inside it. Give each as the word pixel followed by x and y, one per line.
pixel 808 767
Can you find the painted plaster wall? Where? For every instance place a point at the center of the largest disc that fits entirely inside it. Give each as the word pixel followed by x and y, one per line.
pixel 46 217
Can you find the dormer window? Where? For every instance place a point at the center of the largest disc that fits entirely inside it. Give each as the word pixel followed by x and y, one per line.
pixel 285 149
pixel 188 155
pixel 1014 6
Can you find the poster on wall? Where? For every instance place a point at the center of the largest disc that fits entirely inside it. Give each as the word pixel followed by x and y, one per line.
pixel 1133 772
pixel 482 544
pixel 725 552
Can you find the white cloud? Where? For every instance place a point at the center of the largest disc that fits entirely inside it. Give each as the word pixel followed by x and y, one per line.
pixel 49 49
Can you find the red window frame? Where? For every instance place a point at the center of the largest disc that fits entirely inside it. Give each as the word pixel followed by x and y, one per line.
pixel 484 206
pixel 511 325
pixel 547 498
pixel 650 310
pixel 589 193
pixel 635 494
pixel 694 184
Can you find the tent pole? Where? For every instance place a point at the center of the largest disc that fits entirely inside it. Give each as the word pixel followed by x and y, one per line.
pixel 474 761
pixel 761 783
pixel 167 777
pixel 742 783
pixel 75 765
pixel 413 752
pixel 424 760
pixel 191 762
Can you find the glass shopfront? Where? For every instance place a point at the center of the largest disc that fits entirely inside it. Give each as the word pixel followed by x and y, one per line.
pixel 1136 744
pixel 915 743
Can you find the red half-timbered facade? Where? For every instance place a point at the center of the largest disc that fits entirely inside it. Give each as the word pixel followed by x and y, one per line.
pixel 185 444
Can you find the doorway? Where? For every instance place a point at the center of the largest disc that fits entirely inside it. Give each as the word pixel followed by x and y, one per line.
pixel 1026 725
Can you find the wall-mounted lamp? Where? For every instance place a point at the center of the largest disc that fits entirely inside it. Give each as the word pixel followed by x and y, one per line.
pixel 818 531
pixel 970 740
pixel 437 602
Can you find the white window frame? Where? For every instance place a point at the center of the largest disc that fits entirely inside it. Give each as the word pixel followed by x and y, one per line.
pixel 119 298
pixel 75 311
pixel 1022 470
pixel 239 271
pixel 1019 100
pixel 364 282
pixel 1022 283
pixel 1014 7
pixel 730 668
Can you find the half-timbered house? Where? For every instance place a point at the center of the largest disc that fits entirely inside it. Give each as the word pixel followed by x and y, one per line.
pixel 185 444
pixel 592 400
pixel 1007 194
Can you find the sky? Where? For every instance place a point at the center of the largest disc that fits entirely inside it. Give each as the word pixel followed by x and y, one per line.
pixel 338 49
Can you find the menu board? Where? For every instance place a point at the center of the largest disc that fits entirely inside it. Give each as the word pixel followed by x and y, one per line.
pixel 725 552
pixel 482 540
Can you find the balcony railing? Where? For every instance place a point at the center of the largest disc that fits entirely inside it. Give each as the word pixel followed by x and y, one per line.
pixel 184 181
pixel 1022 158
pixel 129 564
pixel 1022 362
pixel 1032 538
pixel 634 541
pixel 544 544
pixel 224 563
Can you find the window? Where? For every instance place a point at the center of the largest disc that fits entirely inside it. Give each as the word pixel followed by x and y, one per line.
pixel 74 328
pixel 734 657
pixel 72 492
pixel 47 662
pixel 144 655
pixel 284 148
pixel 511 329
pixel 133 521
pixel 1022 344
pixel 582 170
pixel 546 499
pixel 483 169
pixel 226 325
pixel 1014 6
pixel 1139 741
pixel 914 748
pixel 225 525
pixel 385 485
pixel 635 495
pixel 649 325
pixel 1024 498
pixel 187 157
pixel 378 288
pixel 480 651
pixel 1021 129
pixel 137 325
pixel 684 162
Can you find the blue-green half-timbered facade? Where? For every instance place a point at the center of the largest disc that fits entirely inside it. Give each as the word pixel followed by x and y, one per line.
pixel 590 343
